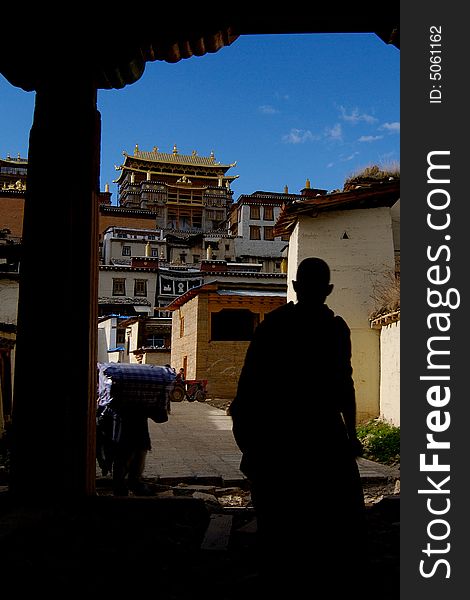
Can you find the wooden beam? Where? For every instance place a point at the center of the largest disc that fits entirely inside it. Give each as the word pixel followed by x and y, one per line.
pixel 53 451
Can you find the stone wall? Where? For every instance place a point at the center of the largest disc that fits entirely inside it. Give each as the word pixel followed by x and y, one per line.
pixel 219 362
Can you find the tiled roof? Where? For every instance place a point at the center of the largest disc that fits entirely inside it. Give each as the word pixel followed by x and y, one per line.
pixel 214 286
pixel 123 211
pixel 123 300
pixel 15 162
pixel 372 196
pixel 176 158
pixel 267 198
pixel 385 319
pixel 128 268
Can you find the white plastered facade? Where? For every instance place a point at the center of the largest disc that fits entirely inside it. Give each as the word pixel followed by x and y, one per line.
pixel 358 245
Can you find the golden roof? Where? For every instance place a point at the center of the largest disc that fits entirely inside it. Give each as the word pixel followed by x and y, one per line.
pixel 18 161
pixel 176 158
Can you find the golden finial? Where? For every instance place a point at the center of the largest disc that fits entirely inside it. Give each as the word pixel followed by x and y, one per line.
pixel 136 149
pixel 286 189
pixel 106 187
pixel 175 149
pixel 155 149
pixel 212 156
pixel 307 184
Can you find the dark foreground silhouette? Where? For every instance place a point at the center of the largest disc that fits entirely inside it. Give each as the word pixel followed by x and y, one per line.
pixel 300 355
pixel 113 546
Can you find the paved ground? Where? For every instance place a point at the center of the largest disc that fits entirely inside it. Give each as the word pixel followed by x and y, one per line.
pixel 170 545
pixel 197 444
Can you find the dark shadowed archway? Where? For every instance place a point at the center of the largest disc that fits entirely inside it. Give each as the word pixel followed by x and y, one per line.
pixel 54 390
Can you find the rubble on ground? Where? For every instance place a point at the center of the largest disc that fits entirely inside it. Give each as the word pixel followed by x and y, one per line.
pixel 220 497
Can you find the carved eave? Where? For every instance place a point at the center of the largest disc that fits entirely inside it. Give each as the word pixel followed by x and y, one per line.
pixel 385 319
pixel 57 50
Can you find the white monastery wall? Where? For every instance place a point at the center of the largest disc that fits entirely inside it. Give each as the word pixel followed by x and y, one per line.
pixel 390 373
pixel 358 246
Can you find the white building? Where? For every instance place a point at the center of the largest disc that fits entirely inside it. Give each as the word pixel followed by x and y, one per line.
pixel 252 222
pixel 128 290
pixel 356 233
pixel 120 244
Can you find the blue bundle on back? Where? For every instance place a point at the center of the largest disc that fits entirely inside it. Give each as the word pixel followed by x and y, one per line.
pixel 128 387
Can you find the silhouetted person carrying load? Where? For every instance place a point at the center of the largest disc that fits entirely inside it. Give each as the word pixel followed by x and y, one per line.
pixel 296 429
pixel 129 395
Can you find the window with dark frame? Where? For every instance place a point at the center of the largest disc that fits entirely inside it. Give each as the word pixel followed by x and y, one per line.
pixel 119 286
pixel 254 212
pixel 140 287
pixel 181 326
pixel 255 232
pixel 126 251
pixel 268 233
pixel 268 213
pixel 120 336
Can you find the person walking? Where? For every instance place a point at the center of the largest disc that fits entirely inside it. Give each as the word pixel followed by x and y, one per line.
pixel 128 396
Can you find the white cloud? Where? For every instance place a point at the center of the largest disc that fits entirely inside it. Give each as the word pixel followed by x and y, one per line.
pixel 343 158
pixel 267 109
pixel 299 136
pixel 370 138
pixel 391 127
pixel 334 133
pixel 355 116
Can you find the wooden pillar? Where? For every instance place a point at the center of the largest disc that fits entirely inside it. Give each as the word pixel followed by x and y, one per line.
pixel 53 421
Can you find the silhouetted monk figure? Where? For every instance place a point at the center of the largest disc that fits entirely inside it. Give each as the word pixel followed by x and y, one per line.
pixel 294 421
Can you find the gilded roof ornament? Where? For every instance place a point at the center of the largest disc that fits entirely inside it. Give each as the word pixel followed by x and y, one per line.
pixel 307 184
pixel 18 185
pixel 136 150
pixel 175 149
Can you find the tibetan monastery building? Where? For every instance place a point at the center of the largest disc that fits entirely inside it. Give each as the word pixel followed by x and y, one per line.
pixel 189 193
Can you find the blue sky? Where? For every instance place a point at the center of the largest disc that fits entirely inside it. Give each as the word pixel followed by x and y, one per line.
pixel 284 108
